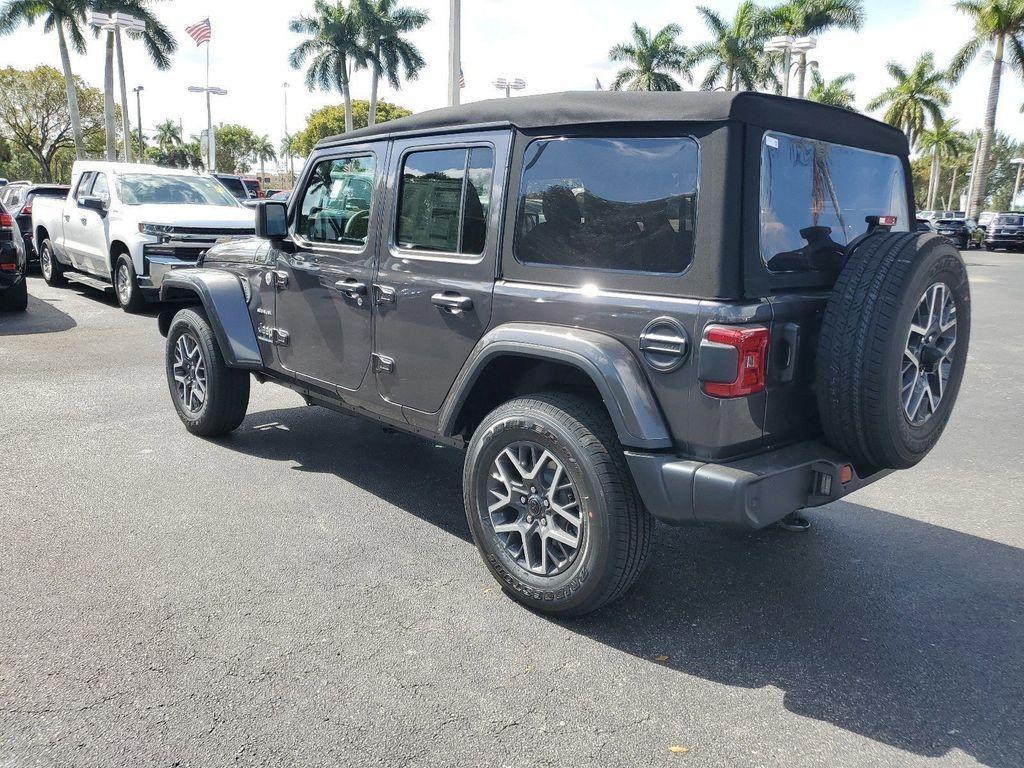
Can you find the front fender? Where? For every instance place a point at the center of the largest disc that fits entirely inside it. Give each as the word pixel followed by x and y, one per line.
pixel 606 361
pixel 221 295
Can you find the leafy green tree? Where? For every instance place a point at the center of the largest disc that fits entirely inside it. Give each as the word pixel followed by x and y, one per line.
pixel 650 61
pixel 66 18
pixel 392 54
pixel 168 134
pixel 330 121
pixel 998 29
pixel 35 115
pixel 235 145
pixel 917 97
pixel 335 47
pixel 940 141
pixel 835 93
pixel 813 17
pixel 735 53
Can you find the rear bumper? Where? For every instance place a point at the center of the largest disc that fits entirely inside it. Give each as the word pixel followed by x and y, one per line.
pixel 750 493
pixel 1004 242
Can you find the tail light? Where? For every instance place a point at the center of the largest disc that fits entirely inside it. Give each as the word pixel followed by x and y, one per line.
pixel 26 210
pixel 6 220
pixel 748 346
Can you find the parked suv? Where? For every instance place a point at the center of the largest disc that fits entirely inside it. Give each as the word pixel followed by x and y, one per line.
pixel 1006 230
pixel 18 197
pixel 13 290
pixel 687 307
pixel 964 232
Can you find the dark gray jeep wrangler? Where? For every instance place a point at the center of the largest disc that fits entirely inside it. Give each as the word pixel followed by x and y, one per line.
pixel 689 307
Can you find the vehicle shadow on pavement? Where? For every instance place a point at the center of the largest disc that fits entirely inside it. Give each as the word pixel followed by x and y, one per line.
pixel 906 633
pixel 41 317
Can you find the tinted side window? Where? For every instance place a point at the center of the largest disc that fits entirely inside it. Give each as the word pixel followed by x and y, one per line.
pixel 601 203
pixel 815 197
pixel 336 203
pixel 99 186
pixel 444 199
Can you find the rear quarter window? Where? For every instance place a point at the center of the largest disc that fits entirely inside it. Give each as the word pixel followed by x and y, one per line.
pixel 816 197
pixel 623 204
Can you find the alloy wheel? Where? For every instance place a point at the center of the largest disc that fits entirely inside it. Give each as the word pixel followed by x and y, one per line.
pixel 928 354
pixel 45 265
pixel 534 509
pixel 189 373
pixel 123 283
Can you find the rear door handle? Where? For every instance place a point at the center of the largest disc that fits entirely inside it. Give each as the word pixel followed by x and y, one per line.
pixel 350 287
pixel 452 303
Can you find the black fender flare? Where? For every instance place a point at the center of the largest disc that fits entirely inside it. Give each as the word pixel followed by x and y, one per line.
pixel 223 299
pixel 611 366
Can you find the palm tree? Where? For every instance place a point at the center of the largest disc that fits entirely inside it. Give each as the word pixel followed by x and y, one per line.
pixel 168 135
pixel 66 17
pixel 959 154
pixel 651 61
pixel 392 53
pixel 160 44
pixel 287 150
pixel 942 140
pixel 917 96
pixel 263 150
pixel 999 25
pixel 800 18
pixel 735 52
pixel 335 46
pixel 835 92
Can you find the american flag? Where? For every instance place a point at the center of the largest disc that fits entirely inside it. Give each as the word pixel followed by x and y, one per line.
pixel 201 31
pixel 462 79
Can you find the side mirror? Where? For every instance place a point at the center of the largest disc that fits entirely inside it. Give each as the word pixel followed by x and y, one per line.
pixel 271 220
pixel 94 202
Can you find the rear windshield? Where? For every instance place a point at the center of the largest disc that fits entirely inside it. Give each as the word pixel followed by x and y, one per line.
pixel 624 204
pixel 816 197
pixel 951 222
pixel 1010 221
pixel 252 186
pixel 235 186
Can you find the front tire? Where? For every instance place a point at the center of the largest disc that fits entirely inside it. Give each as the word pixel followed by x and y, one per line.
pixel 126 286
pixel 53 270
pixel 211 399
pixel 552 506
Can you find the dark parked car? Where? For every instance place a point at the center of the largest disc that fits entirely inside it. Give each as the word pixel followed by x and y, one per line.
pixel 17 198
pixel 700 308
pixel 923 225
pixel 235 184
pixel 1006 230
pixel 13 289
pixel 963 232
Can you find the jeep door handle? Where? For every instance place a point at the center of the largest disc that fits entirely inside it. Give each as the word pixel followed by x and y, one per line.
pixel 453 303
pixel 350 287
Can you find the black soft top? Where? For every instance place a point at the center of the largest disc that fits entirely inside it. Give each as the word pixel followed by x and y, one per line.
pixel 582 108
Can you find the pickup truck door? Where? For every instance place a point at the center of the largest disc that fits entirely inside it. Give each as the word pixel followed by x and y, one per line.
pixel 439 243
pixel 92 237
pixel 324 309
pixel 68 240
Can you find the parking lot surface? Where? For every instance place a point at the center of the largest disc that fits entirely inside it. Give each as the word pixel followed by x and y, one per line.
pixel 305 592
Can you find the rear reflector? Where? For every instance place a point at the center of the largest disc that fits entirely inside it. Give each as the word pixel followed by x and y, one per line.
pixel 6 220
pixel 845 474
pixel 887 221
pixel 751 345
pixel 8 266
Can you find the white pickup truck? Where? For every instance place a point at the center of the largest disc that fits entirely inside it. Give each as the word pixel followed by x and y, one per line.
pixel 124 226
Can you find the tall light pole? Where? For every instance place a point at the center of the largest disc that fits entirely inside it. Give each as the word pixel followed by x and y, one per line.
pixel 115 22
pixel 138 114
pixel 788 45
pixel 454 52
pixel 506 85
pixel 1019 162
pixel 211 141
pixel 287 137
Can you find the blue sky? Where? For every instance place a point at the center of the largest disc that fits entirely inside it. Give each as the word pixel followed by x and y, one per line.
pixel 554 44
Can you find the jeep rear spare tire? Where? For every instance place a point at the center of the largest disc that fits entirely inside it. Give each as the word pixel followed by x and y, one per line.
pixel 892 349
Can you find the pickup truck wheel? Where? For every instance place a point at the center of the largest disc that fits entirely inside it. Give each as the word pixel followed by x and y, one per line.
pixel 893 348
pixel 53 270
pixel 552 506
pixel 211 399
pixel 126 285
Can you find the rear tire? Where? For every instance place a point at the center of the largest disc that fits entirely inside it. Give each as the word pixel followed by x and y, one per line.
pixel 15 298
pixel 893 348
pixel 53 270
pixel 211 399
pixel 577 472
pixel 126 285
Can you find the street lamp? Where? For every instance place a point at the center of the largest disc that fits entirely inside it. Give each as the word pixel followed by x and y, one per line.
pixel 211 142
pixel 502 84
pixel 1019 162
pixel 787 44
pixel 138 113
pixel 115 22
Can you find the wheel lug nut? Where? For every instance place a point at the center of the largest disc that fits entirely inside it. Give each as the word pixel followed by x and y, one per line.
pixel 532 489
pixel 547 503
pixel 522 499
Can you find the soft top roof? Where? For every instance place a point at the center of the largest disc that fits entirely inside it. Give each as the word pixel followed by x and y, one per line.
pixel 581 108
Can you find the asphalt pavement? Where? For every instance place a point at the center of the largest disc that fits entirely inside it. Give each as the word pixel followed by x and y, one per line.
pixel 305 592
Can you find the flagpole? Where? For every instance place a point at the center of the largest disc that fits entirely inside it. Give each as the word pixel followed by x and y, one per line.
pixel 454 54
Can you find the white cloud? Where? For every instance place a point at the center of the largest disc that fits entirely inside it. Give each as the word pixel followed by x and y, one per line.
pixel 554 44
